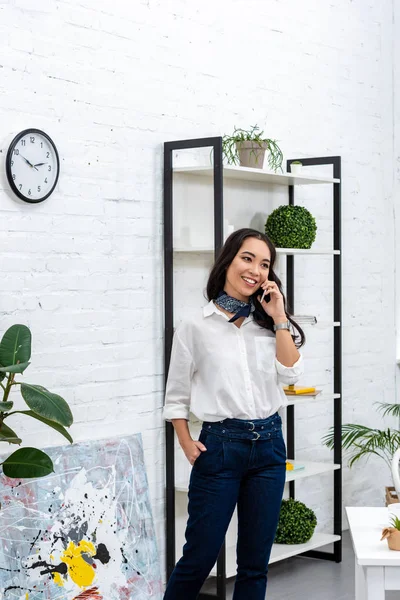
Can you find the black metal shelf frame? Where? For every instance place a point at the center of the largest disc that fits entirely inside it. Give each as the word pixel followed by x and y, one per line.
pixel 335 161
pixel 216 144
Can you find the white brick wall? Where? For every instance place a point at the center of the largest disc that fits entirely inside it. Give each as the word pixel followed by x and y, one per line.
pixel 110 81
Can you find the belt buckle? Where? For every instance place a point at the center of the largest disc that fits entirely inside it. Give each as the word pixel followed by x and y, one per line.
pixel 257 434
pixel 253 426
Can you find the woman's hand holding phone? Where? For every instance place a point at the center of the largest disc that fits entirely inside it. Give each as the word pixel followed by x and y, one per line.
pixel 272 300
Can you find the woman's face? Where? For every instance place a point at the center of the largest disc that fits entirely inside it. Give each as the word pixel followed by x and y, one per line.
pixel 248 270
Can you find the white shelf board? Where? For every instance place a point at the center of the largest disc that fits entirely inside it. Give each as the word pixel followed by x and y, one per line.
pixel 311 469
pixel 321 324
pixel 303 398
pixel 193 249
pixel 290 251
pixel 257 175
pixel 306 251
pixel 279 551
pixel 282 551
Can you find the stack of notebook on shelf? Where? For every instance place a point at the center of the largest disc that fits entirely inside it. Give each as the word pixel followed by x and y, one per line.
pixel 296 390
pixel 292 467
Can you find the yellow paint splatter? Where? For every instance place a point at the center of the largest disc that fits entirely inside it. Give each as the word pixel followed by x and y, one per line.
pixel 58 579
pixel 79 570
pixel 26 596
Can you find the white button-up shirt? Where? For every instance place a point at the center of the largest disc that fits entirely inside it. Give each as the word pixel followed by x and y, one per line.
pixel 219 371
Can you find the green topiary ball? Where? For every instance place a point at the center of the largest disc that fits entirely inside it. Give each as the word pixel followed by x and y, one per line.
pixel 291 227
pixel 296 523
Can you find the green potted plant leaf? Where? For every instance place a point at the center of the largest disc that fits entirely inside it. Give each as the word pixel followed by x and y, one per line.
pixel 392 534
pixel 291 226
pixel 44 406
pixel 296 167
pixel 360 441
pixel 296 523
pixel 247 148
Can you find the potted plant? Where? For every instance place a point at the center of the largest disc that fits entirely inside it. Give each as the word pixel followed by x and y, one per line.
pixel 291 227
pixel 247 148
pixel 392 534
pixel 296 167
pixel 44 406
pixel 296 523
pixel 361 441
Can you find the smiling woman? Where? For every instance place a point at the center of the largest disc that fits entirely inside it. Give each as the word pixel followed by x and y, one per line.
pixel 249 269
pixel 228 364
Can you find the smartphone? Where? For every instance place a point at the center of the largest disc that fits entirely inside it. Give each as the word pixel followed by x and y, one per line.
pixel 266 297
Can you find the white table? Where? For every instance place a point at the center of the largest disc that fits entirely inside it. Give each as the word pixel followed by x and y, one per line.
pixel 376 567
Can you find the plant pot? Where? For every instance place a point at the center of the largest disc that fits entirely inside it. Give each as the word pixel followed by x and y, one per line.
pixel 295 169
pixel 395 471
pixel 251 154
pixel 392 535
pixel 391 496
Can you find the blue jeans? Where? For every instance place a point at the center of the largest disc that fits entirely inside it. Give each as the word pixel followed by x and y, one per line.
pixel 244 465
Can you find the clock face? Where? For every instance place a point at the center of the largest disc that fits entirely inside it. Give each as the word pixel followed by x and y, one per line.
pixel 32 165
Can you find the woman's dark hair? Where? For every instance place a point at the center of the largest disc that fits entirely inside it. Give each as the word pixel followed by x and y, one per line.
pixel 216 280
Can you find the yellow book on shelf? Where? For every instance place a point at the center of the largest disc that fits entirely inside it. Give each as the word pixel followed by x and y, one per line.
pixel 292 467
pixel 294 390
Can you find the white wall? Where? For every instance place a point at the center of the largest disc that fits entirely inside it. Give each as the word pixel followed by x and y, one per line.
pixel 110 82
pixel 396 164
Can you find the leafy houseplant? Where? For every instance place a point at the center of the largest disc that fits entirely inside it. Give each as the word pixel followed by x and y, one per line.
pixel 361 441
pixel 392 534
pixel 247 148
pixel 296 523
pixel 44 406
pixel 291 227
pixel 296 167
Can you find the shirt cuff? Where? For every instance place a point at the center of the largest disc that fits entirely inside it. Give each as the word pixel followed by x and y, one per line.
pixel 176 412
pixel 290 375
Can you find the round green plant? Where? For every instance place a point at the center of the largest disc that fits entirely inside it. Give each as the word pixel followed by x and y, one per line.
pixel 291 227
pixel 296 523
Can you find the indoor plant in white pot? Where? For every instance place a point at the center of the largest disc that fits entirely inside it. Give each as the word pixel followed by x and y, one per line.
pixel 296 167
pixel 248 147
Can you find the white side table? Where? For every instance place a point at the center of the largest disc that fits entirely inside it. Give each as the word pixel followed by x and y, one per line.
pixel 376 567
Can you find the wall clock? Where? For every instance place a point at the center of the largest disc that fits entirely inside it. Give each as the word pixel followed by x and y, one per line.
pixel 32 165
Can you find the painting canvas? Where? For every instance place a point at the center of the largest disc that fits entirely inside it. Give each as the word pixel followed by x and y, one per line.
pixel 84 532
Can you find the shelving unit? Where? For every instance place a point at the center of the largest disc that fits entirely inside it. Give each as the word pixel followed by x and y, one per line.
pixel 175 492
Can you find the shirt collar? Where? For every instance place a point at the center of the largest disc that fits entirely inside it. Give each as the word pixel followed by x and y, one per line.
pixel 210 309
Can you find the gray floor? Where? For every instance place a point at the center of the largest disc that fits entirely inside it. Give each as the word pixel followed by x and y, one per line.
pixel 308 579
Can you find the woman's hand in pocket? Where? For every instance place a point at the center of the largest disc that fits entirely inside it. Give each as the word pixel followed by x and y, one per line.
pixel 192 450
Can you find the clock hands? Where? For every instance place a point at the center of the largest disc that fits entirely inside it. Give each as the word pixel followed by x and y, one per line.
pixel 30 164
pixel 33 166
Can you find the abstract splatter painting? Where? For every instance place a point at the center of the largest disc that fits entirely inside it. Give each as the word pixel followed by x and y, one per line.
pixel 85 532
